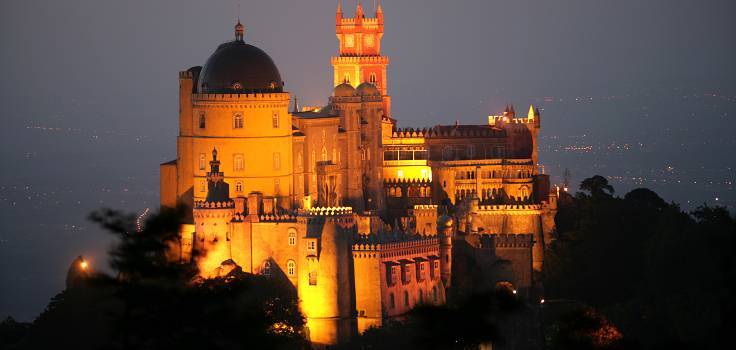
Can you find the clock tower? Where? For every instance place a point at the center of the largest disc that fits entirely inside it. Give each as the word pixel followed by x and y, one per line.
pixel 360 58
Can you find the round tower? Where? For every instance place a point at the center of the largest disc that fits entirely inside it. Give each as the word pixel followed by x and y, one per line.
pixel 445 231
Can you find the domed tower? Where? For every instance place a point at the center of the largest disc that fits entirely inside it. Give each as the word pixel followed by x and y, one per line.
pixel 445 232
pixel 212 219
pixel 237 102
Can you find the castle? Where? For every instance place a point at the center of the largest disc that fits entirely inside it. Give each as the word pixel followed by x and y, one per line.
pixel 363 219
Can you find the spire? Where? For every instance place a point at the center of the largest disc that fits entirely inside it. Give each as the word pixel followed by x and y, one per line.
pixel 359 10
pixel 214 163
pixel 338 13
pixel 339 6
pixel 531 113
pixel 239 31
pixel 512 111
pixel 296 105
pixel 379 12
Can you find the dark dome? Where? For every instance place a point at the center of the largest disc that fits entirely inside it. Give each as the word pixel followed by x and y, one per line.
pixel 367 89
pixel 237 67
pixel 344 90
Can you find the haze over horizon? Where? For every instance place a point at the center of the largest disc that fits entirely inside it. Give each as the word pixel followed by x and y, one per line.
pixel 643 92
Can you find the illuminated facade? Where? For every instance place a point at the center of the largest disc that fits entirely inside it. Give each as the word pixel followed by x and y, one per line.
pixel 339 202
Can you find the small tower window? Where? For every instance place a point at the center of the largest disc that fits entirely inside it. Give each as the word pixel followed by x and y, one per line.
pixel 202 120
pixel 238 186
pixel 266 269
pixel 291 268
pixel 238 162
pixel 275 119
pixel 202 161
pixel 203 186
pixel 324 154
pixel 276 161
pixel 238 120
pixel 372 79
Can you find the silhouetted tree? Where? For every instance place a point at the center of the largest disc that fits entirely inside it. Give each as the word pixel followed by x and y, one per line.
pixel 596 185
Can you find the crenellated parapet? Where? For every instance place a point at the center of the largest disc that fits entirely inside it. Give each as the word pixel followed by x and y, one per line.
pixel 360 59
pixel 214 205
pixel 399 182
pixel 326 211
pixel 510 209
pixel 287 217
pixel 410 133
pixel 464 132
pixel 510 240
pixel 425 210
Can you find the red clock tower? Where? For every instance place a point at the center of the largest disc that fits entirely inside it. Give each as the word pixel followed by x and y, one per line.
pixel 360 58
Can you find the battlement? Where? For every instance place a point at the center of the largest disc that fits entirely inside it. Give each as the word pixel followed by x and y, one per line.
pixel 360 59
pixel 326 211
pixel 214 205
pixel 406 181
pixel 288 217
pixel 510 240
pixel 186 74
pixel 510 209
pixel 501 119
pixel 410 133
pixel 367 21
pixel 477 131
pixel 249 96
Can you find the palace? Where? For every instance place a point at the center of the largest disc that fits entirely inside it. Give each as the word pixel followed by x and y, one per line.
pixel 363 219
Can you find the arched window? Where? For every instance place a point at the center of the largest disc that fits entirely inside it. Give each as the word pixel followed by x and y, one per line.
pixel 238 120
pixel 238 186
pixel 202 161
pixel 266 269
pixel 203 186
pixel 406 298
pixel 324 154
pixel 292 236
pixel 291 268
pixel 524 191
pixel 202 120
pixel 275 119
pixel 238 162
pixel 372 79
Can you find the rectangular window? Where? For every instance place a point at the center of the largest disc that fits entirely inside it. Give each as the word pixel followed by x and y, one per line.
pixel 276 161
pixel 202 161
pixel 312 278
pixel 406 155
pixel 238 162
pixel 420 155
pixel 203 186
pixel 275 120
pixel 202 120
pixel 390 155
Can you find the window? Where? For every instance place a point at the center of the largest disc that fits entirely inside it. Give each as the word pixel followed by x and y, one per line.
pixel 202 161
pixel 291 268
pixel 276 161
pixel 368 39
pixel 238 163
pixel 471 152
pixel 203 186
pixel 524 192
pixel 312 278
pixel 391 301
pixel 311 246
pixel 266 269
pixel 372 78
pixel 349 40
pixel 238 120
pixel 394 275
pixel 276 186
pixel 202 120
pixel 299 160
pixel 238 186
pixel 406 298
pixel 292 237
pixel 275 119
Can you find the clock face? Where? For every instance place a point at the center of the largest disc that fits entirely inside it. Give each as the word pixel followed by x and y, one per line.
pixel 349 40
pixel 368 40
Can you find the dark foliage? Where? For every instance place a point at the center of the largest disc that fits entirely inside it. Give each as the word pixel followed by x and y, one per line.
pixel 11 332
pixel 466 325
pixel 663 276
pixel 155 304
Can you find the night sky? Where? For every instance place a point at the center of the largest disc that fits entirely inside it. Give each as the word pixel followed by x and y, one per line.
pixel 643 92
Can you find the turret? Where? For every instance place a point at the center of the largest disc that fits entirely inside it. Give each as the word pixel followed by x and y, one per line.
pixel 445 228
pixel 379 13
pixel 338 13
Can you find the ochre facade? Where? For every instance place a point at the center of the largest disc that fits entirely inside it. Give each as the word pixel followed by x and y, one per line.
pixel 365 220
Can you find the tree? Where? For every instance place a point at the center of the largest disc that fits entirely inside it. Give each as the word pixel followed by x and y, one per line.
pixel 597 186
